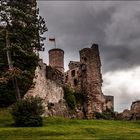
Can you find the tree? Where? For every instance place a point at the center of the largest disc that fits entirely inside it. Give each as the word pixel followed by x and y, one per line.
pixel 23 28
pixel 5 18
pixel 28 112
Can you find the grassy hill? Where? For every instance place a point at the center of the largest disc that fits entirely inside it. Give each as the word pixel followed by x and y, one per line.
pixel 60 128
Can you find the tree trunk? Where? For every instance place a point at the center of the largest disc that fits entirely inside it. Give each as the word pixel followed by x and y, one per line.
pixel 8 52
pixel 9 59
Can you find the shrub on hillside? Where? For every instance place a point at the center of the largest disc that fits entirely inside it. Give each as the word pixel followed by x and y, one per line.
pixel 28 111
pixel 70 98
pixel 107 115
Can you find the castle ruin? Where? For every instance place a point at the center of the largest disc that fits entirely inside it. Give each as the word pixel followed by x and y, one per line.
pixel 84 76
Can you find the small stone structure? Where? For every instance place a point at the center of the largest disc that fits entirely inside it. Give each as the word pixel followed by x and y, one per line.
pixel 48 86
pixel 135 109
pixel 132 114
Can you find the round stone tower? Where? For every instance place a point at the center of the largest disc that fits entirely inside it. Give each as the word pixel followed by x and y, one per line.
pixel 56 59
pixel 91 80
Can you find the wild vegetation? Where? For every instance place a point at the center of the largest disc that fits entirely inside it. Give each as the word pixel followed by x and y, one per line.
pixel 73 99
pixel 28 112
pixel 106 115
pixel 21 28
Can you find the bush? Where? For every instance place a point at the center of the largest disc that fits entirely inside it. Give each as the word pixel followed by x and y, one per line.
pixel 79 97
pixel 107 115
pixel 28 111
pixel 98 115
pixel 70 98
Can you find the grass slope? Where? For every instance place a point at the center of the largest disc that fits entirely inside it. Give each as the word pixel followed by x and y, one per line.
pixel 60 128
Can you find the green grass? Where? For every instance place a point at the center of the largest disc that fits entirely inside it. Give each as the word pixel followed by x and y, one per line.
pixel 60 128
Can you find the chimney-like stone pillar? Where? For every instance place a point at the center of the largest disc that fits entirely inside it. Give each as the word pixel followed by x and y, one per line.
pixel 91 80
pixel 56 59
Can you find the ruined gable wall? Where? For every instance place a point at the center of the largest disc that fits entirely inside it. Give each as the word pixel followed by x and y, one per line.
pixel 72 78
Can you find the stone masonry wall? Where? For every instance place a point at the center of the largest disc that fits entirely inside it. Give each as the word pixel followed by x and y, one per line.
pixel 56 59
pixel 54 75
pixel 109 103
pixel 91 80
pixel 72 79
pixel 73 64
pixel 87 74
pixel 51 93
pixel 132 114
pixel 84 76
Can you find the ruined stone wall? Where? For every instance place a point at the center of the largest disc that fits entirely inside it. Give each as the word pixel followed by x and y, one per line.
pixel 84 76
pixel 72 76
pixel 91 80
pixel 55 75
pixel 87 74
pixel 56 59
pixel 50 91
pixel 109 103
pixel 135 110
pixel 132 114
pixel 74 64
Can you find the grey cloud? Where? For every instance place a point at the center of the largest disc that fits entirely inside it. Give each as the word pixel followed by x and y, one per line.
pixel 115 26
pixel 78 24
pixel 123 85
pixel 119 57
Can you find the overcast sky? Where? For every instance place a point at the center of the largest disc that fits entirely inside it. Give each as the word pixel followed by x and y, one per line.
pixel 115 26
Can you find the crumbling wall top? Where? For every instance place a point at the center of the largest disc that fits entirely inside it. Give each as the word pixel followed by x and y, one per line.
pixel 74 64
pixel 56 49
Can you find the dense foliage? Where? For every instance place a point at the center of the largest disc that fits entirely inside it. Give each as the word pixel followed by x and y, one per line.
pixel 107 115
pixel 21 28
pixel 28 112
pixel 79 97
pixel 70 98
pixel 73 99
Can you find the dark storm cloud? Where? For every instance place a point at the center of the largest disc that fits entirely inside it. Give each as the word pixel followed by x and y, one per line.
pixel 120 57
pixel 78 24
pixel 115 26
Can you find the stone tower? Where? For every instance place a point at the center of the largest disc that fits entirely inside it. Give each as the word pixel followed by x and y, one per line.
pixel 56 59
pixel 91 80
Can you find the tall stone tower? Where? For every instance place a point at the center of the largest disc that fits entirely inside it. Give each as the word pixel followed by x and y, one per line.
pixel 56 59
pixel 91 80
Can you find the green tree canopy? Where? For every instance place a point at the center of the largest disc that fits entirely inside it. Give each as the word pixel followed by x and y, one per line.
pixel 21 30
